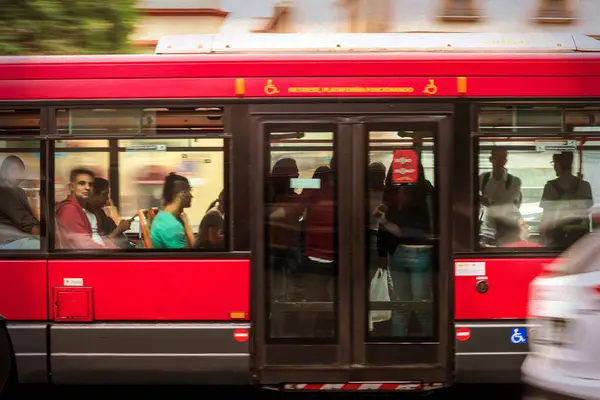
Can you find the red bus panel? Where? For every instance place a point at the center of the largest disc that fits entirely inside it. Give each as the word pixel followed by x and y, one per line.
pixel 507 287
pixel 24 292
pixel 156 290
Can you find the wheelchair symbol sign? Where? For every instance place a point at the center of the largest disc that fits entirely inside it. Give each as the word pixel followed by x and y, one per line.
pixel 519 336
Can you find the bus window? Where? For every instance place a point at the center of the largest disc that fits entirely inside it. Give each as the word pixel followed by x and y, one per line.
pixel 20 207
pixel 301 230
pixel 537 191
pixel 157 191
pixel 141 183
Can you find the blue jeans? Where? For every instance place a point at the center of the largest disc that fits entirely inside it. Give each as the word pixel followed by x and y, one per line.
pixel 22 244
pixel 411 270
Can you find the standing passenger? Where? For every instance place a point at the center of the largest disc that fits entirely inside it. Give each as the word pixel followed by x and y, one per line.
pixel 167 230
pixel 500 194
pixel 402 240
pixel 319 250
pixel 566 202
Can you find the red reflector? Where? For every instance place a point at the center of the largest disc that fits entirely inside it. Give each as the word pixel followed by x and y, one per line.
pixel 596 290
pixel 241 335
pixel 463 334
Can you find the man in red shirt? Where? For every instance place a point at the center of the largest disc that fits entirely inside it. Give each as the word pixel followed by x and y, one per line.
pixel 78 228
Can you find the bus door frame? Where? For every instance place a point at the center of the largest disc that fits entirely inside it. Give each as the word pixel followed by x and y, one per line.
pixel 350 362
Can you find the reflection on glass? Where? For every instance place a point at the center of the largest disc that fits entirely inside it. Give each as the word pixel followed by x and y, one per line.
pixel 300 230
pixel 519 204
pixel 401 240
pixel 19 122
pixel 19 201
pixel 133 120
pixel 146 171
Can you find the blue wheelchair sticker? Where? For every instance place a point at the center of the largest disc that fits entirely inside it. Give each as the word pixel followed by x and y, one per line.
pixel 519 336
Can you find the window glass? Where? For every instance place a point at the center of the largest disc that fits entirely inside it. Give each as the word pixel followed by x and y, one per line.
pixel 98 121
pixel 19 122
pixel 20 201
pixel 127 210
pixel 539 191
pixel 301 232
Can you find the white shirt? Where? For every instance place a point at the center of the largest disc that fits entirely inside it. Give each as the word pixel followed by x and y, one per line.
pixel 502 200
pixel 94 222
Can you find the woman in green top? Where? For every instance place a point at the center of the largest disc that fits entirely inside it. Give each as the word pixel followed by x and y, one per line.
pixel 167 230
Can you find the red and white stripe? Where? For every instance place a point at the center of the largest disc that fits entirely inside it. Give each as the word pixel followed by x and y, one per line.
pixel 354 386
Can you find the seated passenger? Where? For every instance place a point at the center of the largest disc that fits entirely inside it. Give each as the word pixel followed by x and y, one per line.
pixel 167 230
pixel 210 235
pixel 19 228
pixel 77 226
pixel 96 203
pixel 512 231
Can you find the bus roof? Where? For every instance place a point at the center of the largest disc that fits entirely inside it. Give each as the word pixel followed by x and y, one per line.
pixel 377 42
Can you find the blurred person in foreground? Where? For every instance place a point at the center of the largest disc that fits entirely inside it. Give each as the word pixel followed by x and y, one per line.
pixel 98 200
pixel 19 227
pixel 77 226
pixel 168 230
pixel 512 231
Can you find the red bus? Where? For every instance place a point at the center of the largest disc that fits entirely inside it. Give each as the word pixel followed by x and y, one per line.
pixel 305 137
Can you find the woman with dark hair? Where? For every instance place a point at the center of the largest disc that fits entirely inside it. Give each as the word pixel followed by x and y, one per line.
pixel 19 227
pixel 167 230
pixel 96 203
pixel 405 225
pixel 210 233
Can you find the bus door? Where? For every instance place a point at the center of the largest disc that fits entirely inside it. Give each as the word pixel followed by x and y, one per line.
pixel 351 245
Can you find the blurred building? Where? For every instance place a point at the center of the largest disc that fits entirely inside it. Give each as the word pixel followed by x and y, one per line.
pixel 159 18
pixel 361 16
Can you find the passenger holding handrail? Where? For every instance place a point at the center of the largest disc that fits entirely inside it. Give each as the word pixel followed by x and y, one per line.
pixel 168 231
pixel 405 225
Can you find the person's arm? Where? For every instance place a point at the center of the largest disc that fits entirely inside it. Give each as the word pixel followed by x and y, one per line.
pixel 547 205
pixel 514 191
pixel 215 234
pixel 74 229
pixel 12 207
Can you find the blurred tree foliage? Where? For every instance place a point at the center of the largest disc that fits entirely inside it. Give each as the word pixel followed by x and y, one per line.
pixel 32 27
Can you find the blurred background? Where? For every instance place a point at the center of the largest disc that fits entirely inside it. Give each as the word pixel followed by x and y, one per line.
pixel 34 27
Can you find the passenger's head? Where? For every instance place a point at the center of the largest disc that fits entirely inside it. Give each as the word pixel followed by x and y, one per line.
pixel 510 228
pixel 376 176
pixel 100 194
pixel 563 162
pixel 325 174
pixel 499 157
pixel 81 183
pixel 12 170
pixel 219 202
pixel 177 190
pixel 283 171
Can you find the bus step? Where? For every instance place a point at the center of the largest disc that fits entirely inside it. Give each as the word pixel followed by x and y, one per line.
pixel 361 387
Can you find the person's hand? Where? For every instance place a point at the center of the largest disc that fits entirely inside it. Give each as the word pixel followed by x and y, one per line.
pixel 484 201
pixel 382 262
pixel 124 225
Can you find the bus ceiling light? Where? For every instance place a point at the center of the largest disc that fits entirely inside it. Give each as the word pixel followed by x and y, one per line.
pixel 267 43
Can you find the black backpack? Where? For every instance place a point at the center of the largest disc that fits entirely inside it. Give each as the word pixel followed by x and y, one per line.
pixel 509 178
